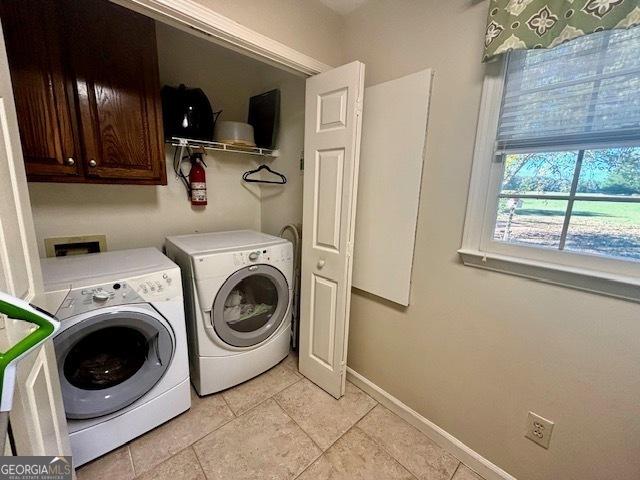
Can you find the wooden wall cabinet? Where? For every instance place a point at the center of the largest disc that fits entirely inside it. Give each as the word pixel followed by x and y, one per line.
pixel 87 92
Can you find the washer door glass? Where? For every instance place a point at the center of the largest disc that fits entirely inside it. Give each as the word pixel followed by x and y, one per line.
pixel 105 358
pixel 250 305
pixel 110 360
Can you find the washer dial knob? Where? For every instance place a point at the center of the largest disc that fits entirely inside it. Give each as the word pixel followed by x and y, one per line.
pixel 101 296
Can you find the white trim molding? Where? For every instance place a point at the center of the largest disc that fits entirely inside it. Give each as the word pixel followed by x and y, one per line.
pixel 462 452
pixel 593 281
pixel 223 30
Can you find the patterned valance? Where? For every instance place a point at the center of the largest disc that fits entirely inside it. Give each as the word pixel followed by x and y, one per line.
pixel 528 24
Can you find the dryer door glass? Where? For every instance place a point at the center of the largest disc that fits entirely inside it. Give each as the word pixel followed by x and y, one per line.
pixel 110 359
pixel 251 305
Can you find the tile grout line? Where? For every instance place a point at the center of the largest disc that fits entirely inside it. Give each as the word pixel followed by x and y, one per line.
pixel 306 434
pixel 272 397
pixel 298 375
pixel 355 423
pixel 373 440
pixel 227 404
pixel 299 426
pixel 214 430
pixel 182 449
pixel 366 435
pixel 138 475
pixel 236 416
pixel 269 397
pixel 456 470
pixel 199 462
pixel 384 449
pixel 324 452
pixel 341 435
pixel 422 434
pixel 308 466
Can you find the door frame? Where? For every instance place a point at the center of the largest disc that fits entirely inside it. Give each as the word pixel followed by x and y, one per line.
pixel 204 22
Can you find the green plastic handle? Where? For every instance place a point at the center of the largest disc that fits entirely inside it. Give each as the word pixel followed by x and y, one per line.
pixel 20 310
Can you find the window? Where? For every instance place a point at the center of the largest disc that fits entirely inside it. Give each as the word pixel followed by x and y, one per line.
pixel 584 201
pixel 556 180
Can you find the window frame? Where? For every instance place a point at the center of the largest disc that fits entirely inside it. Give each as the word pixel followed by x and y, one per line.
pixel 584 271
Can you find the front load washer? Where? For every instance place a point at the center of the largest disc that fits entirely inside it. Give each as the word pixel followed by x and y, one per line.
pixel 121 349
pixel 238 297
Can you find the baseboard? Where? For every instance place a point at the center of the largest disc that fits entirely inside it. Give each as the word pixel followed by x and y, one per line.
pixel 466 455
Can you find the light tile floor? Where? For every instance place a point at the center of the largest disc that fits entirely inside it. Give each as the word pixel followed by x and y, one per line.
pixel 280 426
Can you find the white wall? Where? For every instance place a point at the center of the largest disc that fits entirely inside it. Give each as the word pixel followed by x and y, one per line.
pixel 305 25
pixel 282 205
pixel 135 216
pixel 476 350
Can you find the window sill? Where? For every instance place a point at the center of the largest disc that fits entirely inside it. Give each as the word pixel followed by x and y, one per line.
pixel 618 286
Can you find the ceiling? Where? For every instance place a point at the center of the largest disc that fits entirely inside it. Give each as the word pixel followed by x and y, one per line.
pixel 343 7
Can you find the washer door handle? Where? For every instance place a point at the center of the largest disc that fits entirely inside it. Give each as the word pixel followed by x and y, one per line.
pixel 153 343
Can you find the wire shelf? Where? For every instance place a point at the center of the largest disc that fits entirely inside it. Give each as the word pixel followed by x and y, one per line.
pixel 222 147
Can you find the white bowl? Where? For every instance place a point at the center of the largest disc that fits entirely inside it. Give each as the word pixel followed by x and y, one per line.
pixel 234 133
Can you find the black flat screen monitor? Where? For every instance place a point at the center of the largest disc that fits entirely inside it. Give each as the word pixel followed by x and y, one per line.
pixel 264 115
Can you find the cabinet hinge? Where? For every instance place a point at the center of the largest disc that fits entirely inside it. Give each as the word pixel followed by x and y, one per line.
pixel 349 249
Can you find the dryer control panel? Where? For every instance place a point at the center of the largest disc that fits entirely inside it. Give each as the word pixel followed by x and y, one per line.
pixel 158 287
pixel 271 254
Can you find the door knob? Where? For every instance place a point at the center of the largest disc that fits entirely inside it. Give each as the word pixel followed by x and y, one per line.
pixel 92 163
pixel 70 161
pixel 320 263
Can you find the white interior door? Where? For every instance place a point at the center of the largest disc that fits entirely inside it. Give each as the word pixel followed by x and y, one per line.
pixel 333 119
pixel 37 418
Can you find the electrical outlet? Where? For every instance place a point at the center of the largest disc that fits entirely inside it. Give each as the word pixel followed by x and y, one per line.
pixel 539 429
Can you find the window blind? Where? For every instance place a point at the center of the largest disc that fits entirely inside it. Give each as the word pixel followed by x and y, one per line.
pixel 582 94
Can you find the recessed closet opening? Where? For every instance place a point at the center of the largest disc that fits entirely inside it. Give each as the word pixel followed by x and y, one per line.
pixel 132 216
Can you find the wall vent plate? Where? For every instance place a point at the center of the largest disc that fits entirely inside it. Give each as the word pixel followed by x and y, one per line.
pixel 539 429
pixel 65 246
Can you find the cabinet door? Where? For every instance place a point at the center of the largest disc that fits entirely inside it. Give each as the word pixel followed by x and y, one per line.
pixel 42 93
pixel 116 69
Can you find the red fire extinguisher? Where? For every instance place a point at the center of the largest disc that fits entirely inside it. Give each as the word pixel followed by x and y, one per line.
pixel 198 181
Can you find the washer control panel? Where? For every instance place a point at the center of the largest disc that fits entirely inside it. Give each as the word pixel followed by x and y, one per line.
pixel 89 298
pixel 156 287
pixel 153 287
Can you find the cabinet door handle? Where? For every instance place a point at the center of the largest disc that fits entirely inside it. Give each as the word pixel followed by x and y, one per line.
pixel 70 161
pixel 321 263
pixel 93 163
